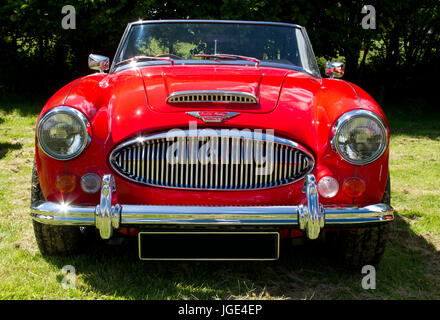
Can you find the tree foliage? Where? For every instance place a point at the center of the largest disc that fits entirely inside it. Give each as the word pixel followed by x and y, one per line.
pixel 402 51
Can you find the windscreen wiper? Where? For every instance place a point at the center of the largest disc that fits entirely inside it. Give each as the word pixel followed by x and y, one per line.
pixel 140 58
pixel 228 56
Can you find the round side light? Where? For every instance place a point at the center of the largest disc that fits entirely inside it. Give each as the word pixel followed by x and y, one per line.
pixel 90 183
pixel 354 187
pixel 328 187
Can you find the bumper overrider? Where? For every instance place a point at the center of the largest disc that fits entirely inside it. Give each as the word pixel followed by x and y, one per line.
pixel 309 216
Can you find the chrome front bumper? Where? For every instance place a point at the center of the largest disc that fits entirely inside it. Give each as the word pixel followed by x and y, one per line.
pixel 310 216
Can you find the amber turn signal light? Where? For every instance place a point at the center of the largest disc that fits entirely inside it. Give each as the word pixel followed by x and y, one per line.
pixel 66 183
pixel 354 187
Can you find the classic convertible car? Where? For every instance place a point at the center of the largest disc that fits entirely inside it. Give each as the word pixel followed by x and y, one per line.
pixel 213 140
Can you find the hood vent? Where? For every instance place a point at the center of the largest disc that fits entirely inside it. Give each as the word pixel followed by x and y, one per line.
pixel 203 96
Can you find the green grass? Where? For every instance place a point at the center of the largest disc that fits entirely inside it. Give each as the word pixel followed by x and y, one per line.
pixel 410 268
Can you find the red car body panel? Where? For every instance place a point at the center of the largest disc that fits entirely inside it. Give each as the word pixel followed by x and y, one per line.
pixel 132 102
pixel 162 81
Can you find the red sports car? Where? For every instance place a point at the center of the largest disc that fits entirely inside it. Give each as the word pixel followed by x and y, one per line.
pixel 213 140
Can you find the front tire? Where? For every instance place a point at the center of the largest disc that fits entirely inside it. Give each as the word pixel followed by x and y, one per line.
pixel 53 240
pixel 363 246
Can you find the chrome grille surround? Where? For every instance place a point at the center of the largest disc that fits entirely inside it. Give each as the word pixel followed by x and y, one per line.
pixel 235 163
pixel 203 96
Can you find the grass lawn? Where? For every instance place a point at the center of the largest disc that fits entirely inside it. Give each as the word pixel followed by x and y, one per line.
pixel 410 268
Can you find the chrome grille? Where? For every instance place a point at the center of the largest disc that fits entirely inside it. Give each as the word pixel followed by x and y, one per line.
pixel 203 96
pixel 212 159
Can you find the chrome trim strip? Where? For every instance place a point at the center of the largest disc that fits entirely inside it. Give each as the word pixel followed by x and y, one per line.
pixel 283 24
pixel 63 214
pixel 70 90
pixel 355 91
pixel 139 214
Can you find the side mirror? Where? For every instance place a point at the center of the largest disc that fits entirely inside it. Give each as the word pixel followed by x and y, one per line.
pixel 334 69
pixel 98 62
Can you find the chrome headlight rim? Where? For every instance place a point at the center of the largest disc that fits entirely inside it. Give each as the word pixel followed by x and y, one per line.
pixel 72 112
pixel 344 120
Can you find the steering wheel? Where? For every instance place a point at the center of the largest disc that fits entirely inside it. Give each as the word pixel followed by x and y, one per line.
pixel 172 56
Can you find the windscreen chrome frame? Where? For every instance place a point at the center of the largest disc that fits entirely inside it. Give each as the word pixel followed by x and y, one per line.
pixel 317 74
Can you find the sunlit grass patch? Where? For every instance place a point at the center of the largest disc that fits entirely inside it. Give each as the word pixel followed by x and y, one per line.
pixel 415 167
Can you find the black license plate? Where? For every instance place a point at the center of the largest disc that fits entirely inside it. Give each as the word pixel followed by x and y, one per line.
pixel 209 245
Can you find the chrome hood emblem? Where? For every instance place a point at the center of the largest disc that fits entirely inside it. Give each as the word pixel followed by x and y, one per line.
pixel 213 116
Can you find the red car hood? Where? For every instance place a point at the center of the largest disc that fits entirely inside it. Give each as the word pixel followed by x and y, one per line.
pixel 160 82
pixel 132 101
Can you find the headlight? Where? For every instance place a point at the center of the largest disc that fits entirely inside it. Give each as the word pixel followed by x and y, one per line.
pixel 62 133
pixel 360 137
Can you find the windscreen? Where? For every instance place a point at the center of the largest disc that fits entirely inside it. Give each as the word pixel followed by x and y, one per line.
pixel 271 44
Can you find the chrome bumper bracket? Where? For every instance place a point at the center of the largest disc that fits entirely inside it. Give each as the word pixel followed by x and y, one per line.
pixel 107 216
pixel 311 216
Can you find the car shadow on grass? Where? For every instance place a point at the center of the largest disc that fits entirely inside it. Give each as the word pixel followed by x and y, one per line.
pixel 23 105
pixel 415 118
pixel 410 269
pixel 5 147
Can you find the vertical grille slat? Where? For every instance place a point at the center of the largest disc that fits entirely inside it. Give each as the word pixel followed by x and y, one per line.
pixel 295 164
pixel 171 163
pixel 299 162
pixel 286 164
pixel 129 161
pixel 162 163
pixel 138 164
pixel 222 162
pixel 290 163
pixel 247 160
pixel 231 165
pixel 236 161
pixel 216 156
pixel 202 166
pixel 187 163
pixel 182 157
pixel 241 185
pixel 132 162
pixel 153 162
